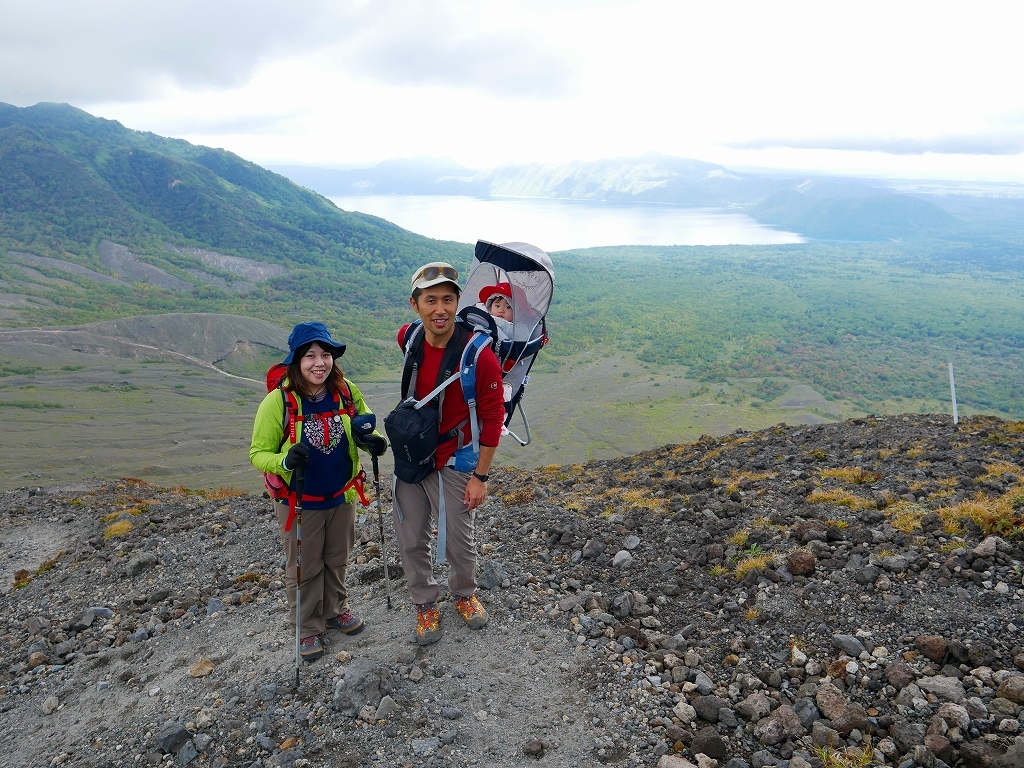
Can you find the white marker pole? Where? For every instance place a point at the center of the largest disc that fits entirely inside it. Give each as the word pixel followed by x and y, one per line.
pixel 952 394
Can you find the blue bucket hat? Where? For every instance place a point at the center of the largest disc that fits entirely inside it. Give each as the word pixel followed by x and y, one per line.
pixel 306 333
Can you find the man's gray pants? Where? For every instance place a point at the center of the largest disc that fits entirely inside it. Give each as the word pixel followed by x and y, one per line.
pixel 416 512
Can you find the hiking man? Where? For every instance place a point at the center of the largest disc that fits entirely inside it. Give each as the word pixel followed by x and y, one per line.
pixel 457 482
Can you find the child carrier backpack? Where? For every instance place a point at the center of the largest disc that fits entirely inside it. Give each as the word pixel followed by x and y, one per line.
pixel 525 276
pixel 276 487
pixel 413 426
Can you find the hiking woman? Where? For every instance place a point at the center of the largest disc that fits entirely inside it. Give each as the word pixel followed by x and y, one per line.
pixel 315 419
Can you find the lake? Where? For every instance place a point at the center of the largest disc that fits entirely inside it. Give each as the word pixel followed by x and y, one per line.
pixel 558 225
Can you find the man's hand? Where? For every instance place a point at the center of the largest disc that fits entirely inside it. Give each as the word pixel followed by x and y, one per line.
pixel 476 492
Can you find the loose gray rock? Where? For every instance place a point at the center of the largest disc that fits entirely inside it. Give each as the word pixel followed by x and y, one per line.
pixel 592 549
pixel 622 605
pixel 186 754
pixel 491 575
pixel 215 605
pixel 622 559
pixel 140 562
pixel 849 644
pixel 171 737
pixel 707 741
pixel 807 711
pixel 830 700
pixel 707 707
pixel 423 747
pixel 365 682
pixel 781 725
pixel 946 688
pixel 907 735
pixel 1012 688
pixel 755 706
pixel 387 707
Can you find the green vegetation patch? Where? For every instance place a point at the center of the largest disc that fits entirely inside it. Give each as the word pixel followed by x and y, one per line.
pixel 29 404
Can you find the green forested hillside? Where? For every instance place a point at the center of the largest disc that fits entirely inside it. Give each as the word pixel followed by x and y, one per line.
pixel 870 322
pixel 872 217
pixel 69 180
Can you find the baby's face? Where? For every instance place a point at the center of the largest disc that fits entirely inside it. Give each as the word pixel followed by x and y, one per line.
pixel 501 307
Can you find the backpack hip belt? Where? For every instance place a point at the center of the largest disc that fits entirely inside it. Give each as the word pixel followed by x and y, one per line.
pixel 358 483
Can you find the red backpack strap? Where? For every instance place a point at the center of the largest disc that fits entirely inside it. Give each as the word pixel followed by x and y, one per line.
pixel 358 482
pixel 346 399
pixel 291 416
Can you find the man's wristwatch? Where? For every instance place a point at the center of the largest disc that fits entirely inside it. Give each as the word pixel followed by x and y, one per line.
pixel 481 478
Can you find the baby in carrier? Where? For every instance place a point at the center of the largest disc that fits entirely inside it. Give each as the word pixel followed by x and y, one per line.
pixel 497 300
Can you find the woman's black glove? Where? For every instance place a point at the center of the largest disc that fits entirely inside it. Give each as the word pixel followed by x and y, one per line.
pixel 297 456
pixel 376 445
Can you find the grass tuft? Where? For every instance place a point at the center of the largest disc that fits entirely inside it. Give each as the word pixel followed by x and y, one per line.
pixel 21 578
pixel 224 492
pixel 1003 516
pixel 739 538
pixel 49 565
pixel 853 475
pixel 518 498
pixel 747 564
pixel 733 484
pixel 905 516
pixel 999 468
pixel 119 528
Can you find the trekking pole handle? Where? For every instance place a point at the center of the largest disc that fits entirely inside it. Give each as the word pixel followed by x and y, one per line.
pixel 376 468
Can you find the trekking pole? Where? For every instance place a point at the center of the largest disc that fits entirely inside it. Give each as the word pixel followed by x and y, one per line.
pixel 380 521
pixel 299 477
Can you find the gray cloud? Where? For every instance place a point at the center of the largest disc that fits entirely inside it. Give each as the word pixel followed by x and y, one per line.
pixel 407 42
pixel 59 50
pixel 995 143
pixel 119 50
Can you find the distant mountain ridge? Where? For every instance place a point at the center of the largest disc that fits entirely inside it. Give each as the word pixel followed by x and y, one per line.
pixel 817 208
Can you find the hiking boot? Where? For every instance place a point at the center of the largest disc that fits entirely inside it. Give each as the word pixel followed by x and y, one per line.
pixel 311 648
pixel 428 623
pixel 471 611
pixel 347 622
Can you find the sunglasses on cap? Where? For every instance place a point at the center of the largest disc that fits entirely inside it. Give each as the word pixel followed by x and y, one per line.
pixel 431 273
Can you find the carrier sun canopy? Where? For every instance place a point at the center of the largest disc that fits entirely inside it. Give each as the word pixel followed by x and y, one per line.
pixel 529 272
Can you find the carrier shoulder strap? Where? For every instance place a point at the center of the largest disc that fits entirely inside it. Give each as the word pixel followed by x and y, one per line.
pixel 470 357
pixel 413 354
pixel 450 366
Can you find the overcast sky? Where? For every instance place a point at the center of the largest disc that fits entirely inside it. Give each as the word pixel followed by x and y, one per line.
pixel 914 89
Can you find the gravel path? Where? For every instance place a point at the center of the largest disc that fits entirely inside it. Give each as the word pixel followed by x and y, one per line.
pixel 824 595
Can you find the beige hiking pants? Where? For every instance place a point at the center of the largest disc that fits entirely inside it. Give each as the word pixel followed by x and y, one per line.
pixel 327 538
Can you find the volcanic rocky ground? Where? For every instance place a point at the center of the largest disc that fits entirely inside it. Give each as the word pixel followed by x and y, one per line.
pixel 832 595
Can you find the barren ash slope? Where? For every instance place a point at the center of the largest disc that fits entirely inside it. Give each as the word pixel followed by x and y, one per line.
pixel 832 595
